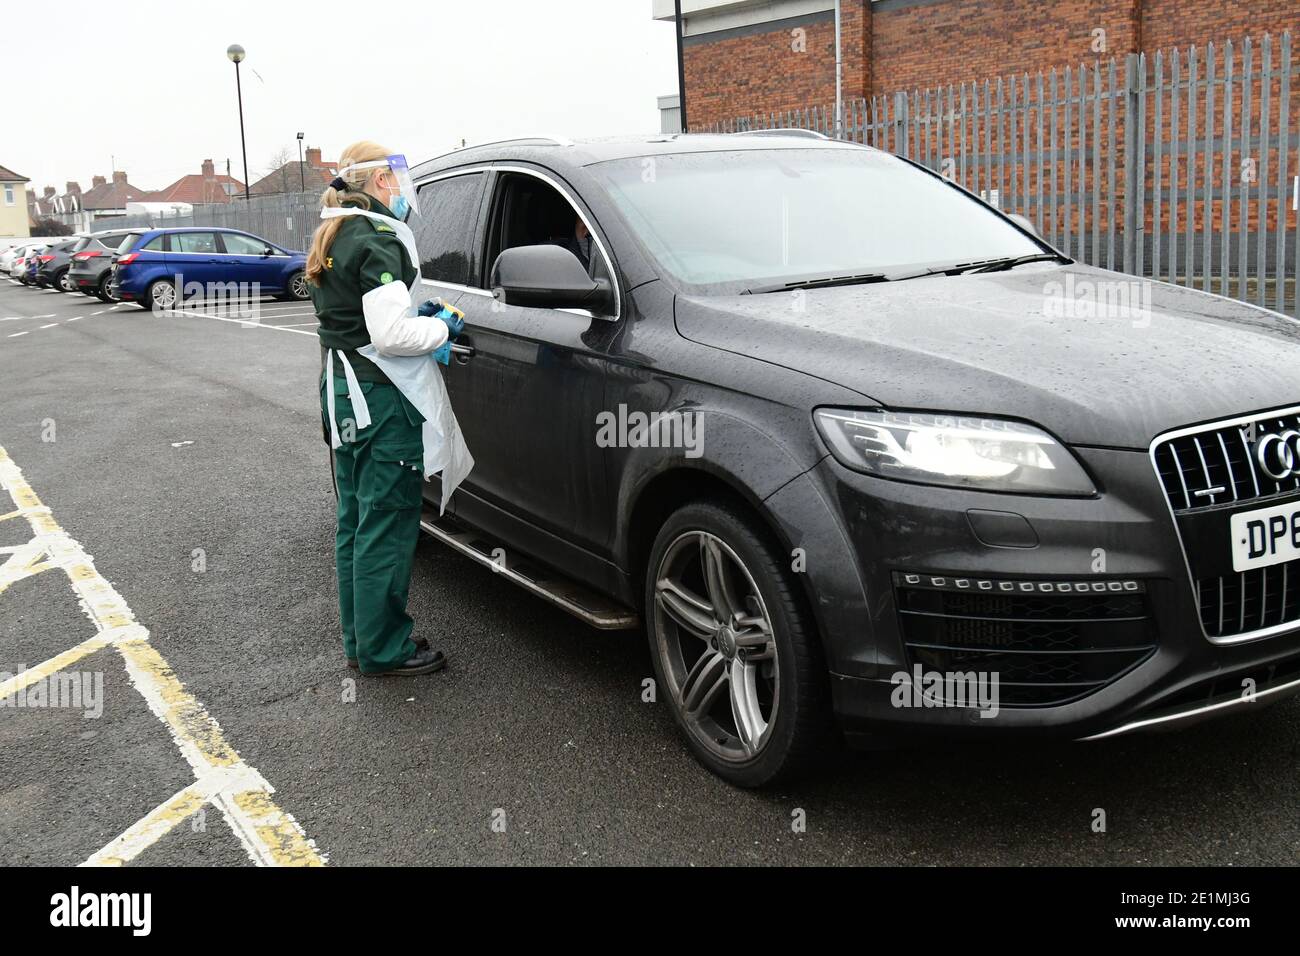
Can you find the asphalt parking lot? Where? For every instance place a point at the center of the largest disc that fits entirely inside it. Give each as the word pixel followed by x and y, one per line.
pixel 182 455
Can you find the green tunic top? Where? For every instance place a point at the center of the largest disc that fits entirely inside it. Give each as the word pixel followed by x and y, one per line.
pixel 365 254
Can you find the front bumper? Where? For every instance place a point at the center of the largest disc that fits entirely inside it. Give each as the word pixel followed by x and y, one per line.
pixel 864 535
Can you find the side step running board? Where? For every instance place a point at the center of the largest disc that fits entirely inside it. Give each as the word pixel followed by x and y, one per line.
pixel 586 605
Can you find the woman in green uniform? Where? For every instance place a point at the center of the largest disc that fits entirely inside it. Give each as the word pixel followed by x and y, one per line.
pixel 359 271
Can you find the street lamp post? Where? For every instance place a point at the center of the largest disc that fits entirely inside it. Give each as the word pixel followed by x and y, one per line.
pixel 236 54
pixel 302 175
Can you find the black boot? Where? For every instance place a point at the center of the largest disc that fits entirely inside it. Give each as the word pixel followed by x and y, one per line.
pixel 420 644
pixel 425 660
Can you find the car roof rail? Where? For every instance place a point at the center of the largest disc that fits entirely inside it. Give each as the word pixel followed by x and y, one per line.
pixel 783 131
pixel 552 140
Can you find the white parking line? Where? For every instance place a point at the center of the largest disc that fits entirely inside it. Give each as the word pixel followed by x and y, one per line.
pixel 243 322
pixel 50 326
pixel 14 335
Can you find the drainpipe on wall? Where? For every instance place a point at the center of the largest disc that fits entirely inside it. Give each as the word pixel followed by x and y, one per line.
pixel 681 65
pixel 839 77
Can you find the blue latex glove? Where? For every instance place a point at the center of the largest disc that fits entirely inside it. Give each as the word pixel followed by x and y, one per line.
pixel 454 318
pixel 443 353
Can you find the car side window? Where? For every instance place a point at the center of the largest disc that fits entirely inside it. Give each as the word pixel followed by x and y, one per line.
pixel 156 244
pixel 194 242
pixel 240 245
pixel 444 228
pixel 528 211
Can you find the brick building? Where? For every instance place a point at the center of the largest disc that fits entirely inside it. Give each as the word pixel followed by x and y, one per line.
pixel 203 188
pixel 290 177
pixel 744 57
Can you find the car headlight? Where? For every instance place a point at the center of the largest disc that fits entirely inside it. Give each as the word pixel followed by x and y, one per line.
pixel 985 454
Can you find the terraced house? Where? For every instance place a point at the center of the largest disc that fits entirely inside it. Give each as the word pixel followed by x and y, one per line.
pixel 13 205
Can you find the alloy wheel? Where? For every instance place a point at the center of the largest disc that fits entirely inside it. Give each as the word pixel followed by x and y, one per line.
pixel 716 645
pixel 163 295
pixel 298 287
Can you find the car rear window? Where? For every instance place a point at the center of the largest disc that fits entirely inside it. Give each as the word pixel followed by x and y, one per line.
pixel 444 232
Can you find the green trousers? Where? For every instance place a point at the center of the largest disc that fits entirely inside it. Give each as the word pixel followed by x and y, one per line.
pixel 380 476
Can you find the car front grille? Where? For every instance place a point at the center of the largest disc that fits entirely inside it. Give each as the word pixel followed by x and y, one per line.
pixel 1047 642
pixel 1208 474
pixel 1218 465
pixel 1234 604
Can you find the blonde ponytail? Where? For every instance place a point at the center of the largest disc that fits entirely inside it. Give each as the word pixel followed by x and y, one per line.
pixel 362 152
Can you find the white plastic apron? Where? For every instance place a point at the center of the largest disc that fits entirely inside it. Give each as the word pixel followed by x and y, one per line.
pixel 416 376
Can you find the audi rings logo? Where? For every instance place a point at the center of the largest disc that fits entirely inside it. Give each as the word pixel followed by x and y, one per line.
pixel 1279 454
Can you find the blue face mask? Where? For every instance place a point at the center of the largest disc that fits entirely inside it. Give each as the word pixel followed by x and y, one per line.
pixel 401 208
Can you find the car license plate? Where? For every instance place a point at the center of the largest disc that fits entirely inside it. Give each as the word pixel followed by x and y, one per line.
pixel 1266 537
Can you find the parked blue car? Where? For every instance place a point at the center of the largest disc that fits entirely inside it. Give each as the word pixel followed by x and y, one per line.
pixel 168 265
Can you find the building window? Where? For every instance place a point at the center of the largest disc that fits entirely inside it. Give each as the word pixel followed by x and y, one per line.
pixel 9 195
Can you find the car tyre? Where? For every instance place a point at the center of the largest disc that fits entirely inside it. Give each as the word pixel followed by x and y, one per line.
pixel 161 296
pixel 105 290
pixel 63 282
pixel 296 290
pixel 736 651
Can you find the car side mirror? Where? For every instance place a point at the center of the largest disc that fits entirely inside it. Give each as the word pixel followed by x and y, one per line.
pixel 1024 223
pixel 549 277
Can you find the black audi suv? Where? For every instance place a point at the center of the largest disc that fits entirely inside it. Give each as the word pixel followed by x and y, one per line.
pixel 863 456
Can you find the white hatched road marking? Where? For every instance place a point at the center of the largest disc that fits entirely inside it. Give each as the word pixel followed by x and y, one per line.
pixel 245 322
pixel 270 836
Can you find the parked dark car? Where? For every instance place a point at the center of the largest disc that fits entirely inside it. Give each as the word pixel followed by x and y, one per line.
pixel 898 444
pixel 52 266
pixel 148 273
pixel 92 262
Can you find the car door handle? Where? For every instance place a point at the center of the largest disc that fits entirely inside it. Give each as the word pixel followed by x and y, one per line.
pixel 463 353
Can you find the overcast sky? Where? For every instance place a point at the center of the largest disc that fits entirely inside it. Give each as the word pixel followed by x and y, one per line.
pixel 146 85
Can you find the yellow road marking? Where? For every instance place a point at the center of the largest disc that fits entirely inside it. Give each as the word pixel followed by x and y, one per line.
pixel 141 835
pixel 269 835
pixel 55 664
pixel 24 561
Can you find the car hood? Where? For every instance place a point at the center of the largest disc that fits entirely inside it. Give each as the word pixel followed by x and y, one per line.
pixel 1028 343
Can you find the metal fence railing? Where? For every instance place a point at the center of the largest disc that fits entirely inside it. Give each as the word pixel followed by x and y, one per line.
pixel 1181 165
pixel 287 219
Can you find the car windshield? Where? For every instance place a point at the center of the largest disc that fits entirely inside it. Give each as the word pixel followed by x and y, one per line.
pixel 726 222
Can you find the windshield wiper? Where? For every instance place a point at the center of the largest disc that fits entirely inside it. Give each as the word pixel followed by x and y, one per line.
pixel 1002 265
pixel 823 283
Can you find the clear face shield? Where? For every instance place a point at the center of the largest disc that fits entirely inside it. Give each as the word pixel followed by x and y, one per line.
pixel 401 174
